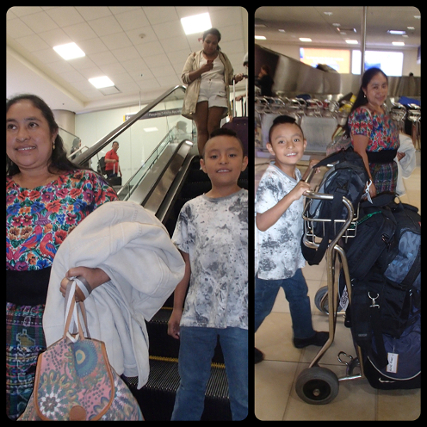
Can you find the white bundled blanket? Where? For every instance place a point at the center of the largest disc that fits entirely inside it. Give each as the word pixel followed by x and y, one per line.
pixel 132 246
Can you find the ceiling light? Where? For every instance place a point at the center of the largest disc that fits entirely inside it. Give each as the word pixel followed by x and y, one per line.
pixel 305 39
pixel 396 32
pixel 100 82
pixel 196 23
pixel 398 43
pixel 352 41
pixel 328 13
pixel 281 30
pixel 260 38
pixel 336 24
pixel 153 129
pixel 411 28
pixel 69 51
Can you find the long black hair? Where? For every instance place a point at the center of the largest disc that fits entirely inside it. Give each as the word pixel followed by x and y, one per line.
pixel 58 160
pixel 368 75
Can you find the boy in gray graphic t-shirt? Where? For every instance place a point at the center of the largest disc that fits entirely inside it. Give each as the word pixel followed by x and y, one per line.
pixel 279 227
pixel 212 235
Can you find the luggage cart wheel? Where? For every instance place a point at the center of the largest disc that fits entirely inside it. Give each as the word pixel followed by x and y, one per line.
pixel 317 386
pixel 321 300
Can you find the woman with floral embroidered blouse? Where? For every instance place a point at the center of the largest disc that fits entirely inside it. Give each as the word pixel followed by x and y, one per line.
pixel 373 134
pixel 46 198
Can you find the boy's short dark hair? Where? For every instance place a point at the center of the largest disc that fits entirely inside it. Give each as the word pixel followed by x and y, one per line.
pixel 280 120
pixel 226 132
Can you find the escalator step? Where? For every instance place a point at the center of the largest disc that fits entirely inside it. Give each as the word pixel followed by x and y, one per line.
pixel 164 376
pixel 157 397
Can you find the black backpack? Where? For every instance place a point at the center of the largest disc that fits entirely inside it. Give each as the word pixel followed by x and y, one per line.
pixel 385 269
pixel 346 178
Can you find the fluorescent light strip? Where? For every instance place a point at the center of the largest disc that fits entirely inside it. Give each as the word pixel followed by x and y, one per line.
pixel 69 51
pixel 101 82
pixel 196 23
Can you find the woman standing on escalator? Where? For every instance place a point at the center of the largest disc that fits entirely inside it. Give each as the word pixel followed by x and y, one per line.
pixel 208 74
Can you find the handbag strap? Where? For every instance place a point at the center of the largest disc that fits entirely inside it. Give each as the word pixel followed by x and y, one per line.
pixel 71 313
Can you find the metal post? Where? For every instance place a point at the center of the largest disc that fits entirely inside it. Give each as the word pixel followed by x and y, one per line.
pixel 363 40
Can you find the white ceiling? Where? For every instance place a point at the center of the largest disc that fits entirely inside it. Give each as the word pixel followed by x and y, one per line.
pixel 312 22
pixel 142 49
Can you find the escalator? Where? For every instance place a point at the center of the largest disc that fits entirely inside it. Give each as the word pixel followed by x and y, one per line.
pixel 168 178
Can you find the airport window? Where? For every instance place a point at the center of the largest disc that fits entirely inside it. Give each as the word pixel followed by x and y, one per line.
pixel 390 62
pixel 338 59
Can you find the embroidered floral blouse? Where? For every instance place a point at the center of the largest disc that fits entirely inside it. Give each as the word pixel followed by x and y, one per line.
pixel 39 219
pixel 380 128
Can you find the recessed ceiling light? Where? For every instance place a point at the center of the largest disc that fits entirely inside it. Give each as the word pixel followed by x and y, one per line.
pixel 352 41
pixel 305 39
pixel 336 24
pixel 398 43
pixel 69 51
pixel 411 28
pixel 196 23
pixel 328 13
pixel 100 82
pixel 260 38
pixel 396 32
pixel 281 30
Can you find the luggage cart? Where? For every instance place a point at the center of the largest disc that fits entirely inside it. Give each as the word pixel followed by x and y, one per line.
pixel 317 385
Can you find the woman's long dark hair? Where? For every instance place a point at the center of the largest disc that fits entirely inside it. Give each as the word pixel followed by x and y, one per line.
pixel 368 75
pixel 58 160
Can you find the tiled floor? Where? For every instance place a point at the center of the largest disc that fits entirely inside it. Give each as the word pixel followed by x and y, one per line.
pixel 275 377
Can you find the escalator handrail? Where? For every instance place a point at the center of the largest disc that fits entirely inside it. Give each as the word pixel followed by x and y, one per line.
pixel 98 146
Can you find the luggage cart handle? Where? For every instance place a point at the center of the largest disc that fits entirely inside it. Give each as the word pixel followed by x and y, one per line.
pixel 350 214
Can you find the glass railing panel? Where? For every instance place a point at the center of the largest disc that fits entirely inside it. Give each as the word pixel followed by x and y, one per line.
pixel 71 141
pixel 104 144
pixel 140 140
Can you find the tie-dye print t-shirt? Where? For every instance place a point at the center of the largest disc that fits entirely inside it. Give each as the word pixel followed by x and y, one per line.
pixel 214 232
pixel 278 249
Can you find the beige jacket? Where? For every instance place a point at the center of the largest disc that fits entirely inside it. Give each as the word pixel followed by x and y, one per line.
pixel 193 88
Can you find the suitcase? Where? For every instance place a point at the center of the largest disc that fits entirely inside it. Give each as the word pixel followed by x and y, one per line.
pixel 239 124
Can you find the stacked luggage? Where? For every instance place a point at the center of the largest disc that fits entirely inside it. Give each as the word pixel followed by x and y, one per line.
pixel 385 311
pixel 378 249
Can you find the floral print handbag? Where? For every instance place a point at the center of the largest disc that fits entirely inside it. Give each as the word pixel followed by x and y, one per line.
pixel 74 380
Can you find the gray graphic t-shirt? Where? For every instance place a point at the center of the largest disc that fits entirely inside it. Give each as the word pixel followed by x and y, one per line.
pixel 214 232
pixel 278 249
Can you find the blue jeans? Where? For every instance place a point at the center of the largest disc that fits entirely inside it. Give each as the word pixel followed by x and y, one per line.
pixel 196 350
pixel 299 303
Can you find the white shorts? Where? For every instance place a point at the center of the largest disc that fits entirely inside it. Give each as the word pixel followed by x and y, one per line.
pixel 213 91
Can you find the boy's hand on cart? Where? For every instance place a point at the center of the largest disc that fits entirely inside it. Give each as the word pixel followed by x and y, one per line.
pixel 300 189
